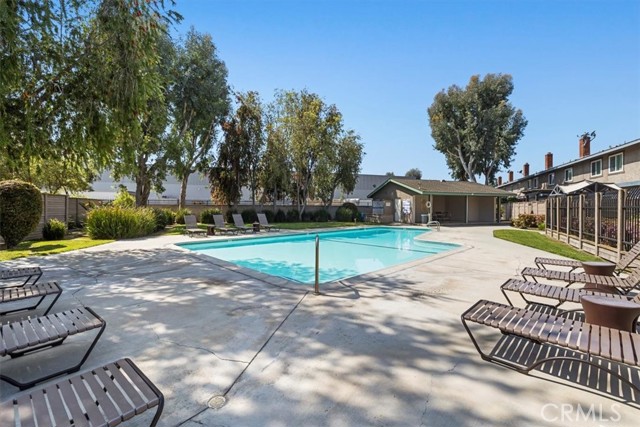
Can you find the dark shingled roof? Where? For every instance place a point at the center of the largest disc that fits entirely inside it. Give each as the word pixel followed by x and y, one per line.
pixel 453 188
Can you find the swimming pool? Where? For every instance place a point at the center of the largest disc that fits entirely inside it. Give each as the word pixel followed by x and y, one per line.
pixel 343 254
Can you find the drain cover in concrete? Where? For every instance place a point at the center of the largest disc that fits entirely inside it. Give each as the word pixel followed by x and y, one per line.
pixel 216 402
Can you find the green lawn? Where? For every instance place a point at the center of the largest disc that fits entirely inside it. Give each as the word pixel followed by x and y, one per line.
pixel 536 240
pixel 40 247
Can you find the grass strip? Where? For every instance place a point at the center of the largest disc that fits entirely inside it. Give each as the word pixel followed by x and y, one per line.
pixel 534 239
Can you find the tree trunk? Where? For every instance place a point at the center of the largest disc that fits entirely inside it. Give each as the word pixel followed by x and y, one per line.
pixel 275 198
pixel 183 191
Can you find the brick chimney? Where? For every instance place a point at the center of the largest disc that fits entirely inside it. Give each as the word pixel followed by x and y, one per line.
pixel 525 169
pixel 499 180
pixel 585 145
pixel 510 176
pixel 548 160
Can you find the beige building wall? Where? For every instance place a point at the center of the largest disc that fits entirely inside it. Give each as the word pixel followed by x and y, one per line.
pixel 481 209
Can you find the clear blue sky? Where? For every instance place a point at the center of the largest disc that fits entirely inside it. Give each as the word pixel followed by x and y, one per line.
pixel 575 66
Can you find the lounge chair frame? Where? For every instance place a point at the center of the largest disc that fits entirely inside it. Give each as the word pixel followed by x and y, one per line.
pixel 238 222
pixel 623 285
pixel 25 292
pixel 191 226
pixel 623 264
pixel 218 220
pixel 17 273
pixel 30 335
pixel 87 399
pixel 557 330
pixel 264 223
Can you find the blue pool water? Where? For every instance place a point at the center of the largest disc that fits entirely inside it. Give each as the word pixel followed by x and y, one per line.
pixel 343 254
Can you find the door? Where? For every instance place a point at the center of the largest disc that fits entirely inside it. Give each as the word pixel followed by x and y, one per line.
pixel 397 212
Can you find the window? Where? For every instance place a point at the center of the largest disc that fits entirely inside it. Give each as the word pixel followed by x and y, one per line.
pixel 568 175
pixel 615 163
pixel 596 168
pixel 552 178
pixel 535 182
pixel 529 184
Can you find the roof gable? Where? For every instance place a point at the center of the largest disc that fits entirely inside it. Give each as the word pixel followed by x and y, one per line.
pixel 432 186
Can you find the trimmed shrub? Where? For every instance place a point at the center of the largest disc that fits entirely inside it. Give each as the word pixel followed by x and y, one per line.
pixel 322 215
pixel 124 199
pixel 163 218
pixel 112 222
pixel 529 221
pixel 353 208
pixel 344 214
pixel 249 216
pixel 180 213
pixel 293 215
pixel 20 210
pixel 54 230
pixel 307 216
pixel 270 216
pixel 206 216
pixel 280 216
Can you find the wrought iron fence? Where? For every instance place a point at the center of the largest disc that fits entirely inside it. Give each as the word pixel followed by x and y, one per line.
pixel 579 209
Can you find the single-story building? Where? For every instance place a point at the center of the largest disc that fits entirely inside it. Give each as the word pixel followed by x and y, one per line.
pixel 463 202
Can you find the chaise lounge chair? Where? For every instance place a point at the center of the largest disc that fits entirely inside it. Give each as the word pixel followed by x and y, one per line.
pixel 262 219
pixel 9 295
pixel 191 226
pixel 30 335
pixel 104 396
pixel 624 285
pixel 221 227
pixel 239 223
pixel 586 343
pixel 561 294
pixel 623 264
pixel 18 273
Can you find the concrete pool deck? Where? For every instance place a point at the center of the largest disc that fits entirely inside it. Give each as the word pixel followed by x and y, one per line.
pixel 388 349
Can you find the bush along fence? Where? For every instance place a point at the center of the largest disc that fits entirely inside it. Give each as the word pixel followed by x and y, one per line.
pixel 604 223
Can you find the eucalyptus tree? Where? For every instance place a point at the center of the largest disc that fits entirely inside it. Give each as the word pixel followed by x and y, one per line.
pixel 339 167
pixel 477 128
pixel 275 166
pixel 414 173
pixel 144 145
pixel 311 128
pixel 239 153
pixel 200 99
pixel 70 77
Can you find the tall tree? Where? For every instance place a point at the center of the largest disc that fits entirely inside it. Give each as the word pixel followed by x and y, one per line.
pixel 339 168
pixel 275 168
pixel 311 127
pixel 477 128
pixel 70 76
pixel 200 98
pixel 414 173
pixel 145 143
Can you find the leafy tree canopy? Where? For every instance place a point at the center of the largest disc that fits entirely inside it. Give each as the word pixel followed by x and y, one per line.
pixel 477 128
pixel 414 173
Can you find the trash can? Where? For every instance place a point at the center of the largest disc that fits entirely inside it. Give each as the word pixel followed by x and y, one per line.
pixel 424 218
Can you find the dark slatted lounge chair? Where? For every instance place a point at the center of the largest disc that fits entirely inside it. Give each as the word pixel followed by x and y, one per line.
pixel 191 226
pixel 28 273
pixel 581 338
pixel 26 292
pixel 624 263
pixel 238 222
pixel 29 335
pixel 624 285
pixel 218 220
pixel 560 294
pixel 104 396
pixel 264 223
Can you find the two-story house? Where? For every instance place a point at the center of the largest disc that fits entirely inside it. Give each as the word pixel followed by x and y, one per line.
pixel 618 165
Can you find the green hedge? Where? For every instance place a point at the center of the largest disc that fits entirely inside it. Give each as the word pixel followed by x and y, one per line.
pixel 180 213
pixel 54 230
pixel 206 217
pixel 20 210
pixel 112 222
pixel 529 221
pixel 164 217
